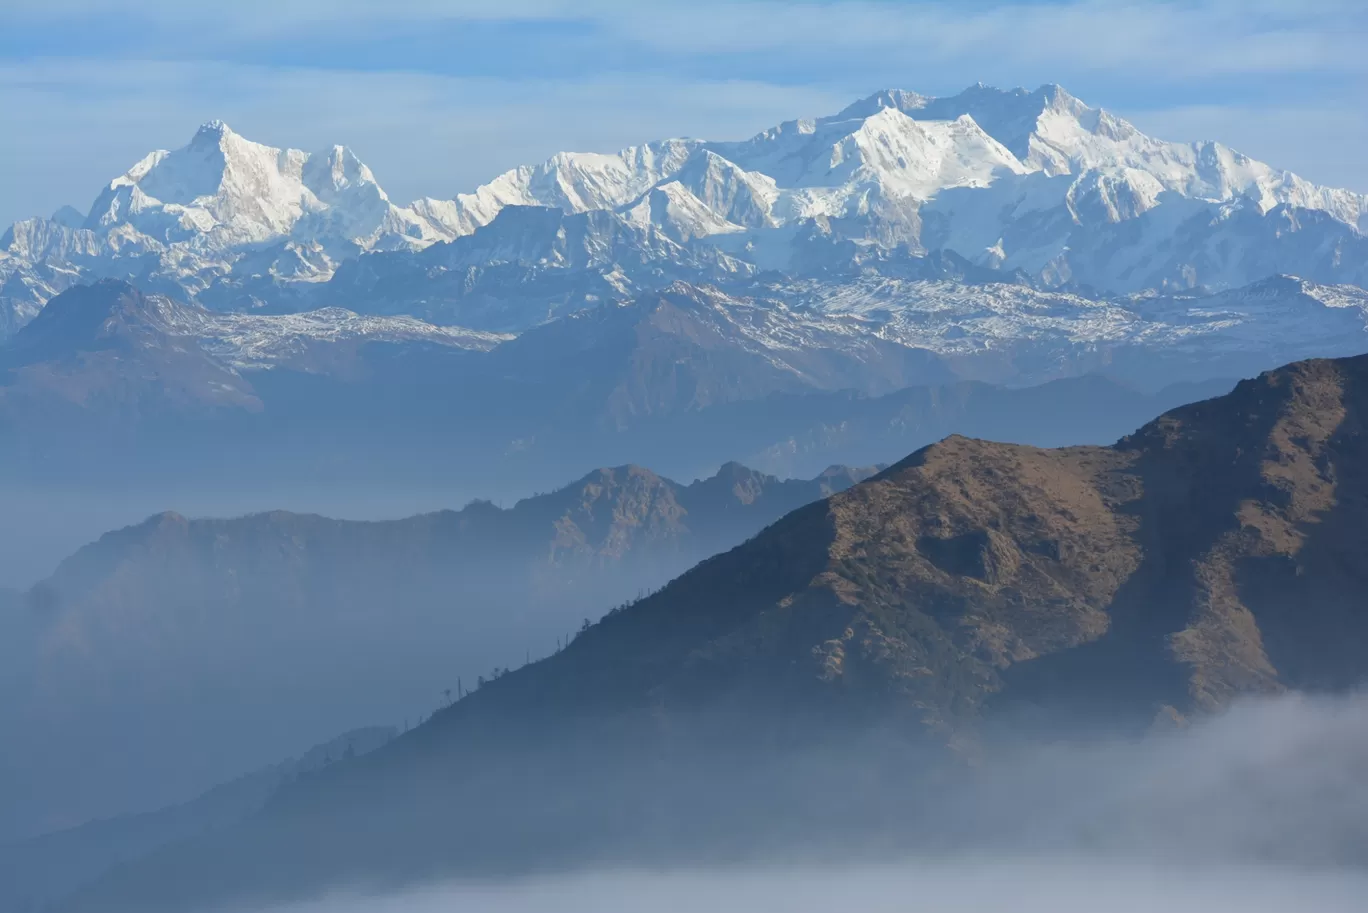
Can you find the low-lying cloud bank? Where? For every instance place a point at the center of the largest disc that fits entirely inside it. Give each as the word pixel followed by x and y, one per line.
pixel 1281 779
pixel 1021 886
pixel 1261 809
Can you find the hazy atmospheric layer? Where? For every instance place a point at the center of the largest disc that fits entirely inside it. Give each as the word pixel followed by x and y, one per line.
pixel 1262 809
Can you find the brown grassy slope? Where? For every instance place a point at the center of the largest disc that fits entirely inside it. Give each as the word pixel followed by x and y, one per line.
pixel 1219 550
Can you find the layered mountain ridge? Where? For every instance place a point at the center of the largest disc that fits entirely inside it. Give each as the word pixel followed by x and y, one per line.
pixel 832 683
pixel 342 622
pixel 684 377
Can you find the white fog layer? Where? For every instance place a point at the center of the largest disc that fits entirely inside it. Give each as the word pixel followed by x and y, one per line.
pixel 1263 808
pixel 973 886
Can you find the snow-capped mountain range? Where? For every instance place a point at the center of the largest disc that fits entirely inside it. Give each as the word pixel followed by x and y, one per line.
pixel 975 224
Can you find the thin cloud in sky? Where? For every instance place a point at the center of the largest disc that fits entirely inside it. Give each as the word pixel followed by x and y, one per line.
pixel 422 134
pixel 1191 37
pixel 1174 38
pixel 439 96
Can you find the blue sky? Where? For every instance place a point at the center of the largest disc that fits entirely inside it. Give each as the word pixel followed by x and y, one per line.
pixel 440 96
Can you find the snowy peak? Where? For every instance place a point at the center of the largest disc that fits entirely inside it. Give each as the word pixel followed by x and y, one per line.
pixel 739 196
pixel 1052 132
pixel 887 149
pixel 199 169
pixel 1020 119
pixel 800 169
pixel 220 184
pixel 707 196
pixel 1009 116
pixel 575 182
pixel 212 130
pixel 335 170
pixel 921 158
pixel 679 214
pixel 898 99
pixel 223 204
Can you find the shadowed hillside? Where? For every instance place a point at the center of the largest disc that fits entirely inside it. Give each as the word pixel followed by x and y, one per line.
pixel 824 677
